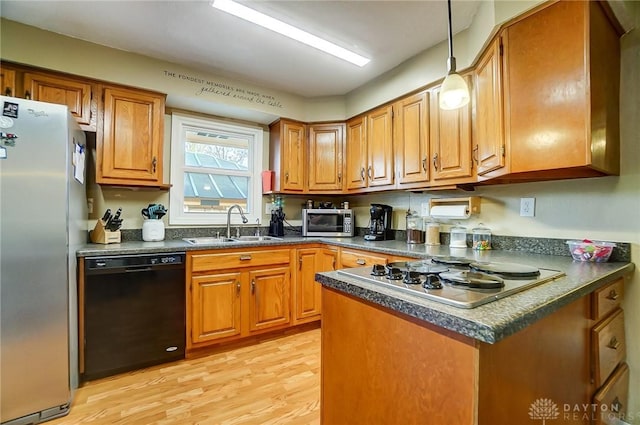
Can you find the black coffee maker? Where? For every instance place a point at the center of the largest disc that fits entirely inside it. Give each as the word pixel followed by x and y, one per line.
pixel 380 223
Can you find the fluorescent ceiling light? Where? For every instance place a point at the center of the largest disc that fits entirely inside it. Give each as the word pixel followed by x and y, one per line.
pixel 280 27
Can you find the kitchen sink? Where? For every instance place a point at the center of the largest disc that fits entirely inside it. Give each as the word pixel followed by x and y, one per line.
pixel 207 240
pixel 256 238
pixel 213 240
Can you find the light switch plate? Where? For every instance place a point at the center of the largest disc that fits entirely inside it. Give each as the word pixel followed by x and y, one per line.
pixel 527 207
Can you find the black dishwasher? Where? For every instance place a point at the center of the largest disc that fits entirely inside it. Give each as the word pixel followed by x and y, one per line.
pixel 134 312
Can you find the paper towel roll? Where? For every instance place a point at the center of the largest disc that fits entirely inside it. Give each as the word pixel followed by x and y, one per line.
pixel 450 211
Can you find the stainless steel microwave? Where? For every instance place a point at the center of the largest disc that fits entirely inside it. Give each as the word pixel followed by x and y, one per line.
pixel 328 222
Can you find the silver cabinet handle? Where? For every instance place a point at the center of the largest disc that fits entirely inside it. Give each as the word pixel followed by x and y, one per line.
pixel 613 295
pixel 361 262
pixel 245 257
pixel 238 289
pixel 362 173
pixel 435 161
pixel 613 343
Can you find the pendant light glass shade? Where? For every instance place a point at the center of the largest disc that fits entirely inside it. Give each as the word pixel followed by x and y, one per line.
pixel 454 92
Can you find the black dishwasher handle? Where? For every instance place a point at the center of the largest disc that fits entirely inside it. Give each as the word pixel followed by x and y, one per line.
pixel 138 269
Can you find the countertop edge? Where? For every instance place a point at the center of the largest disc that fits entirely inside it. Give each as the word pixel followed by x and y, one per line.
pixel 484 331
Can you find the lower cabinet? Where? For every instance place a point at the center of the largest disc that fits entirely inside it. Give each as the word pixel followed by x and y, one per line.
pixel 215 306
pixel 307 291
pixel 610 373
pixel 236 293
pixel 540 372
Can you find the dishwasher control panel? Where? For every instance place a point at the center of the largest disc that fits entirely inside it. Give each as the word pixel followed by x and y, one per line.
pixel 136 260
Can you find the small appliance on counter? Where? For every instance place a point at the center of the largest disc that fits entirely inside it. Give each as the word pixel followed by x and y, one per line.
pixel 380 224
pixel 323 222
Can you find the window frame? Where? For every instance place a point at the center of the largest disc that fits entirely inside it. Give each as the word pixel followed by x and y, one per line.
pixel 180 124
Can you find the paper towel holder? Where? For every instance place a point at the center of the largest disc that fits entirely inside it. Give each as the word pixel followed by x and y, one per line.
pixel 471 202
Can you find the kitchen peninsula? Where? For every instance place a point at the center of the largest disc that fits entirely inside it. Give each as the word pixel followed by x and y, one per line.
pixel 408 358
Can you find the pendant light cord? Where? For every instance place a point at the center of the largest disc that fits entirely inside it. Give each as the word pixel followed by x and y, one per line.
pixel 450 30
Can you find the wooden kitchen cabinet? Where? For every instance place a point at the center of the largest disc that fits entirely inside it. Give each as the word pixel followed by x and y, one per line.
pixel 307 292
pixel 326 169
pixel 411 139
pixel 76 94
pixel 356 154
pixel 490 387
pixel 450 142
pixel 561 93
pixel 489 144
pixel 370 160
pixel 269 302
pixel 236 293
pixel 609 372
pixel 130 138
pixel 7 80
pixel 380 147
pixel 215 305
pixel 287 155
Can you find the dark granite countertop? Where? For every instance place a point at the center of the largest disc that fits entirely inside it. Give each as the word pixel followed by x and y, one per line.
pixel 498 319
pixel 487 323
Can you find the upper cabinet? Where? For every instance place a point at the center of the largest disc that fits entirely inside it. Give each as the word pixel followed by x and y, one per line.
pixel 287 155
pixel 380 147
pixel 411 139
pixel 76 94
pixel 7 81
pixel 370 160
pixel 356 154
pixel 130 138
pixel 489 149
pixel 561 93
pixel 326 145
pixel 450 142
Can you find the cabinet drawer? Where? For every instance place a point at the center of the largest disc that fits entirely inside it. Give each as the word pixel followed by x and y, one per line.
pixel 232 260
pixel 359 259
pixel 607 299
pixel 614 394
pixel 609 346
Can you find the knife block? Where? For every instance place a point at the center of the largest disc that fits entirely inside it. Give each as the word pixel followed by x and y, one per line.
pixel 100 234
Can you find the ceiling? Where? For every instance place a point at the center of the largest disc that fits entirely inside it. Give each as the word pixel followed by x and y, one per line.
pixel 198 36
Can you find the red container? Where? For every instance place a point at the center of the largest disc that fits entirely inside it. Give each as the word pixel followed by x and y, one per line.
pixel 267 181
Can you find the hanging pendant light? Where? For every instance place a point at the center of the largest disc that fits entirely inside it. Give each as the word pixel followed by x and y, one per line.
pixel 454 92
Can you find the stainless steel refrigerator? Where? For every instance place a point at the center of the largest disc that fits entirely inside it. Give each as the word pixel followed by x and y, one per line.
pixel 42 222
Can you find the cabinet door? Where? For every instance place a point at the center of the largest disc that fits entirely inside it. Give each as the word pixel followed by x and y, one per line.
pixel 326 142
pixel 215 306
pixel 411 137
pixel 450 141
pixel 547 112
pixel 356 154
pixel 269 301
pixel 380 147
pixel 129 146
pixel 7 81
pixel 293 143
pixel 489 150
pixel 75 94
pixel 307 290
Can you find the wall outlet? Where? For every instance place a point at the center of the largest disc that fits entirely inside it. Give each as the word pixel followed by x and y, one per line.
pixel 267 207
pixel 527 207
pixel 424 209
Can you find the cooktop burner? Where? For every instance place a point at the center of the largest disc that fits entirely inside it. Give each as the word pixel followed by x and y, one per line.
pixel 460 283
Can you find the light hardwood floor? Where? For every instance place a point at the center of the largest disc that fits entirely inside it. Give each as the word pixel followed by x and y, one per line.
pixel 274 382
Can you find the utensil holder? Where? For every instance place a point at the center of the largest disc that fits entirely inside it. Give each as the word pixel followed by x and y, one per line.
pixel 100 234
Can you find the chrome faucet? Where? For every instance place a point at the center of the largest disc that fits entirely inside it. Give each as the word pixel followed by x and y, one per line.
pixel 244 219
